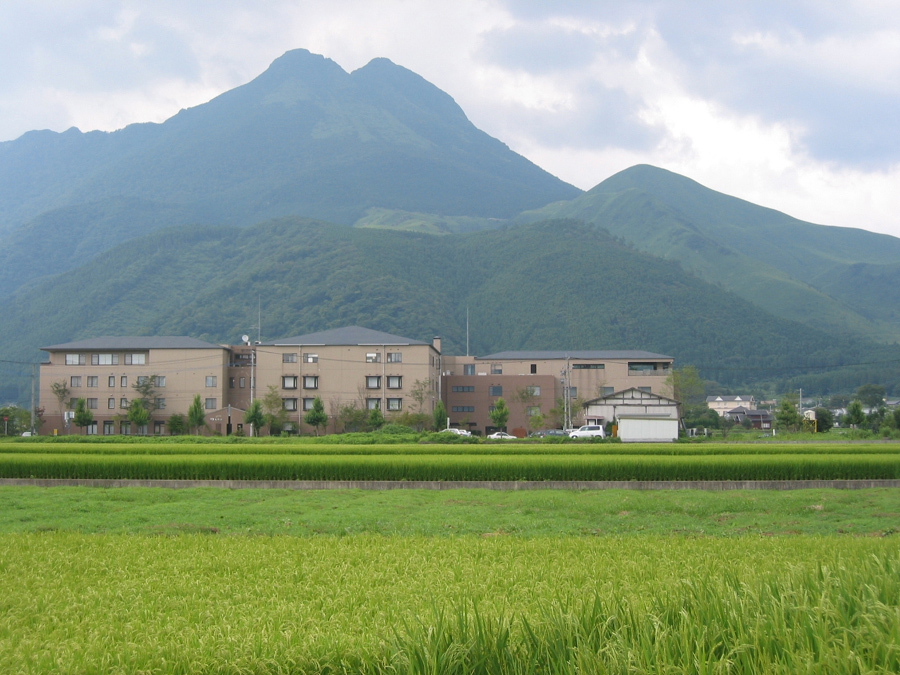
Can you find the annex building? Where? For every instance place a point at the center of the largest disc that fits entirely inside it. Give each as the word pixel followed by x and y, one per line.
pixel 352 366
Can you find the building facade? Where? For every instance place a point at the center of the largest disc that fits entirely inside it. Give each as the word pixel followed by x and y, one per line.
pixel 350 366
pixel 540 386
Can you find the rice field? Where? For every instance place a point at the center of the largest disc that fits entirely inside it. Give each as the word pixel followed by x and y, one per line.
pixel 192 603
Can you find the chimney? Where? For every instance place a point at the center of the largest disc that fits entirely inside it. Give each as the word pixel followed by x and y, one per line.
pixel 436 342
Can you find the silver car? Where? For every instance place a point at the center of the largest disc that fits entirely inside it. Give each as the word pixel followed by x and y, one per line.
pixel 588 431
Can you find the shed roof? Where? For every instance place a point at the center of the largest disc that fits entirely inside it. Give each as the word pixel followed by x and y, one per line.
pixel 348 335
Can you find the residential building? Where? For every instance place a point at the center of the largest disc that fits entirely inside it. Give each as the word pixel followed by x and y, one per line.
pixel 640 416
pixel 759 419
pixel 722 404
pixel 539 382
pixel 105 370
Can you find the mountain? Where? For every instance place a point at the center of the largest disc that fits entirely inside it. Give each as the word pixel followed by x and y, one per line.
pixel 304 138
pixel 549 285
pixel 833 278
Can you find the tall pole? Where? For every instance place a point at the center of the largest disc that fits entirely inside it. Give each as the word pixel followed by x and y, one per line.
pixel 33 393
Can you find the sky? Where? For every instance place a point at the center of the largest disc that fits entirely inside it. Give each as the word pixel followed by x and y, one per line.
pixel 793 105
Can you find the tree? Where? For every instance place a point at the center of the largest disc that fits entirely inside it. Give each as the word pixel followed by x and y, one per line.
pixel 440 416
pixel 316 416
pixel 177 424
pixel 254 417
pixel 689 389
pixel 275 414
pixel 419 393
pixel 824 420
pixel 17 420
pixel 138 414
pixel 855 414
pixel 145 388
pixel 787 417
pixel 536 422
pixel 376 419
pixel 871 395
pixel 351 416
pixel 61 392
pixel 196 417
pixel 83 417
pixel 500 414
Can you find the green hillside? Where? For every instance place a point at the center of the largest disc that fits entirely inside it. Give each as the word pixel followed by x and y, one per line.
pixel 304 138
pixel 781 264
pixel 550 285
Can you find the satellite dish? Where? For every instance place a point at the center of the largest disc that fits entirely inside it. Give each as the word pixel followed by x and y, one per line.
pixel 245 338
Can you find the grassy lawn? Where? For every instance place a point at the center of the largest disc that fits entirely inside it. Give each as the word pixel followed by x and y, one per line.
pixel 443 513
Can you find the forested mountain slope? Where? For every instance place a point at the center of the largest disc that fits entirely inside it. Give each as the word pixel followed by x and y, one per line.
pixel 794 269
pixel 550 285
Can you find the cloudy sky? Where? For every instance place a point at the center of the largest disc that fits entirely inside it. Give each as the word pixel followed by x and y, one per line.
pixel 790 104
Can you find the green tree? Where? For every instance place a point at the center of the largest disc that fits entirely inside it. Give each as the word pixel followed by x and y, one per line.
pixel 316 416
pixel 83 417
pixel 871 395
pixel 61 392
pixel 138 414
pixel 500 414
pixel 196 417
pixel 145 388
pixel 689 389
pixel 824 420
pixel 787 417
pixel 855 414
pixel 376 419
pixel 535 422
pixel 440 416
pixel 177 424
pixel 273 407
pixel 420 392
pixel 254 417
pixel 17 420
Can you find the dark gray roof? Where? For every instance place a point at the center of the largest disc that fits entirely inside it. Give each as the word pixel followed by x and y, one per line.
pixel 135 342
pixel 349 335
pixel 574 354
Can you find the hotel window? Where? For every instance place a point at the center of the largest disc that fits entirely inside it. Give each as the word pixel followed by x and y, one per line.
pixel 159 428
pixel 395 382
pixel 310 381
pixel 124 381
pixel 289 382
pixel 373 382
pixel 211 380
pixel 588 366
pixel 160 404
pixel 534 369
pixel 111 403
pixel 109 428
pixel 310 358
pixel 93 381
pixel 534 391
pixel 125 428
pixel 74 359
pixel 142 380
pixel 289 358
pixel 308 403
pixel 159 380
pixel 91 429
pixel 92 404
pixel 459 389
pixel 231 383
pixel 496 369
pixel 112 382
pixel 135 359
pixel 607 391
pixel 289 403
pixel 463 408
pixel 394 403
pixel 533 410
pixel 123 403
pixel 572 392
pixel 104 359
pixel 469 369
pixel 647 389
pixel 75 381
pixel 242 382
pixel 210 404
pixel 373 357
pixel 495 390
pixel 373 403
pixel 395 357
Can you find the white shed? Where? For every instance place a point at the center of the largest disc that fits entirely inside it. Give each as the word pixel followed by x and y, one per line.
pixel 641 416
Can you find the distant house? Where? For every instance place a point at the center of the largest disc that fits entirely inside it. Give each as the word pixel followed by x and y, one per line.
pixel 722 404
pixel 759 419
pixel 641 416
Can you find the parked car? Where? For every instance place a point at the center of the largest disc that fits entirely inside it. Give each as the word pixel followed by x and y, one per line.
pixel 543 433
pixel 502 436
pixel 458 432
pixel 588 431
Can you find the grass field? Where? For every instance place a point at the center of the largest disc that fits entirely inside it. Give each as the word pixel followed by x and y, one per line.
pixel 139 580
